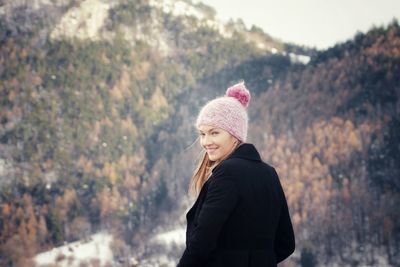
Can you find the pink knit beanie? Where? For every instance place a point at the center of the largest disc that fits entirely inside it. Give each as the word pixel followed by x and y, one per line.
pixel 228 112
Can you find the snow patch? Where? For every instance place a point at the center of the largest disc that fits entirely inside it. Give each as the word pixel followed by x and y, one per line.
pixel 83 21
pixel 177 8
pixel 261 46
pixel 274 50
pixel 177 237
pixel 164 249
pixel 75 254
pixel 299 58
pixel 220 27
pixel 181 8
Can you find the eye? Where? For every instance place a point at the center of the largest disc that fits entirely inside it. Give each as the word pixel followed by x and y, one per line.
pixel 202 134
pixel 214 133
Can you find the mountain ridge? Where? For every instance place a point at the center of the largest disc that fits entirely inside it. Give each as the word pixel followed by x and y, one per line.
pixel 87 19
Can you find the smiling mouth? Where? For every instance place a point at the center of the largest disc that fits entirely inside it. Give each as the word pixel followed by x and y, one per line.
pixel 211 150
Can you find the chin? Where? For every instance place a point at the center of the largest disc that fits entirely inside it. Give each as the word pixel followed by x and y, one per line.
pixel 213 158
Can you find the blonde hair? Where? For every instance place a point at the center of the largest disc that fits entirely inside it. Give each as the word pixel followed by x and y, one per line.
pixel 201 174
pixel 204 169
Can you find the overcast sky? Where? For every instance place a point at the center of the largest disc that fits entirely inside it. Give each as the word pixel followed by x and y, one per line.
pixel 318 23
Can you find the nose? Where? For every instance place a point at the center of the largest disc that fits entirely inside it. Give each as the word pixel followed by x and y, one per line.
pixel 206 140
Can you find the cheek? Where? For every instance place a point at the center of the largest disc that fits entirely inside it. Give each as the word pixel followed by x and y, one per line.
pixel 201 141
pixel 231 144
pixel 226 145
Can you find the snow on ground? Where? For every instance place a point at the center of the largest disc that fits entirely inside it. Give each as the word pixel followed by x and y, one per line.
pixel 96 248
pixel 164 249
pixel 177 236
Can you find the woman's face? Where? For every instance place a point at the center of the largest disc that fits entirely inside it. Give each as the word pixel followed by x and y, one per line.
pixel 217 142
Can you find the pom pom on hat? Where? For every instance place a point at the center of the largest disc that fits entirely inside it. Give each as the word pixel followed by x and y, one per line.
pixel 240 92
pixel 228 112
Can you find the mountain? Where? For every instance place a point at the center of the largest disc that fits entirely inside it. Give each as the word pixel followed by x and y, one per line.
pixel 98 99
pixel 86 90
pixel 332 130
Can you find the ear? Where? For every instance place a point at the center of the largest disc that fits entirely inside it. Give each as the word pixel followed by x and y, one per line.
pixel 236 141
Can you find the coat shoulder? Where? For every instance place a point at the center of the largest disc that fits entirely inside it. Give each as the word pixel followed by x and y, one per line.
pixel 233 164
pixel 230 165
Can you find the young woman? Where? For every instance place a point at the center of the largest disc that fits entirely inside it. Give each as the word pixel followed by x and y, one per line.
pixel 240 217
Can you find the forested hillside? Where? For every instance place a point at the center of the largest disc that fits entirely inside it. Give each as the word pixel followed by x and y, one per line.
pixel 78 112
pixel 332 129
pixel 96 126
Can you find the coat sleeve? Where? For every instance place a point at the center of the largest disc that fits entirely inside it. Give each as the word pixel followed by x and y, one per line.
pixel 219 202
pixel 284 244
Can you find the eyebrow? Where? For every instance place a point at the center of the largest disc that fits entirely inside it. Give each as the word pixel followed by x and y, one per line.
pixel 212 129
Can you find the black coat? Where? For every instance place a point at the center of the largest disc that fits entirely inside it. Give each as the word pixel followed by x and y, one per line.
pixel 240 217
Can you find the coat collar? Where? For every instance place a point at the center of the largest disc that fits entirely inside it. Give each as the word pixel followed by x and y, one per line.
pixel 246 151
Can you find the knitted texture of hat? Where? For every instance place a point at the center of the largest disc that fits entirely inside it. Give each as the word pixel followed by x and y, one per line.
pixel 228 112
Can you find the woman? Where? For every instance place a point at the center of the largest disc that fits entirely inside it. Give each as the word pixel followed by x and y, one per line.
pixel 240 217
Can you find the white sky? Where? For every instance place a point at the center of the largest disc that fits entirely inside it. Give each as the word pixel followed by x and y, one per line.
pixel 318 23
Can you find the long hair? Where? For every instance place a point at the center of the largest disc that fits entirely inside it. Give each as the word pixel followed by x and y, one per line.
pixel 203 171
pixel 201 174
